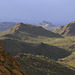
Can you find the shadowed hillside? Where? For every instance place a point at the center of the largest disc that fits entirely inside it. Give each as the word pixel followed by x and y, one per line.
pixel 34 48
pixel 67 30
pixel 41 65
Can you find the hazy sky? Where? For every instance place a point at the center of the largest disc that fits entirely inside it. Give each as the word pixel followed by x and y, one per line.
pixel 32 11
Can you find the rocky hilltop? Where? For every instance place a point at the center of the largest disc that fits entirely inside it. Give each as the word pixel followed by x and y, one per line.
pixel 67 30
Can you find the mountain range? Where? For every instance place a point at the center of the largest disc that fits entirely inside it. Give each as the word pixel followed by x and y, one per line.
pixel 47 55
pixel 47 25
pixel 23 31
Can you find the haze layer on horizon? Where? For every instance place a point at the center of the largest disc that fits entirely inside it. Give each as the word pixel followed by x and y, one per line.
pixel 58 12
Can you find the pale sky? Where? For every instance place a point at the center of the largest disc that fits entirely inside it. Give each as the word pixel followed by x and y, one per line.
pixel 58 12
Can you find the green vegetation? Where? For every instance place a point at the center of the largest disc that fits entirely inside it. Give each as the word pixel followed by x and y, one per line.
pixel 15 47
pixel 41 65
pixel 69 61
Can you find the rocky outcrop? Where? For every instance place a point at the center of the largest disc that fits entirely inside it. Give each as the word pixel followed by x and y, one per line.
pixel 8 65
pixel 67 30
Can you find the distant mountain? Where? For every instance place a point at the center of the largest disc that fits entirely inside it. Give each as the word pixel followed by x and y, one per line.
pixel 15 46
pixel 41 65
pixel 6 25
pixel 67 30
pixel 8 65
pixel 24 31
pixel 47 25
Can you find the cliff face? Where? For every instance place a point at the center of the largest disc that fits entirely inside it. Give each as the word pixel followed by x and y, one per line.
pixel 8 65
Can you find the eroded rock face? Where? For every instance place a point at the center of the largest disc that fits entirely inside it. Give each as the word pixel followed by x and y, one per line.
pixel 67 30
pixel 8 65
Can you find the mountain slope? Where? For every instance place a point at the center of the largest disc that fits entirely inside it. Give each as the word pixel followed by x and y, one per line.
pixel 47 25
pixel 67 30
pixel 6 25
pixel 70 60
pixel 41 65
pixel 34 48
pixel 24 31
pixel 8 65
